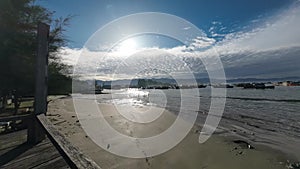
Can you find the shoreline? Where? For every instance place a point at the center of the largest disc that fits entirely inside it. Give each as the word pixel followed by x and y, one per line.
pixel 218 152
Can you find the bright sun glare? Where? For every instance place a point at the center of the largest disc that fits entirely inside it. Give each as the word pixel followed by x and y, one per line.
pixel 127 47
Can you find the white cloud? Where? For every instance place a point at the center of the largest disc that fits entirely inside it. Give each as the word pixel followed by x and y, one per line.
pixel 186 28
pixel 280 31
pixel 202 42
pixel 272 49
pixel 69 56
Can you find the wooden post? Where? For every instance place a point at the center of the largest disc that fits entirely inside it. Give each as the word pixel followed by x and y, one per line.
pixel 35 130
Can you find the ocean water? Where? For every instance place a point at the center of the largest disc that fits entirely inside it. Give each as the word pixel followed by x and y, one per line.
pixel 270 116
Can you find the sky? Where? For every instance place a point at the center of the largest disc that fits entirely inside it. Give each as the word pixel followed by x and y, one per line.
pixel 232 15
pixel 257 38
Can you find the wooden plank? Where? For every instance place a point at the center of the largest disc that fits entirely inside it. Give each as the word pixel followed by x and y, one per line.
pixel 34 159
pixel 71 154
pixel 25 155
pixel 17 117
pixel 17 154
pixel 44 147
pixel 35 132
pixel 40 96
pixel 57 163
pixel 10 140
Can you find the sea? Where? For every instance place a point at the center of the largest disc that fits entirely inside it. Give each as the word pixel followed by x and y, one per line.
pixel 263 116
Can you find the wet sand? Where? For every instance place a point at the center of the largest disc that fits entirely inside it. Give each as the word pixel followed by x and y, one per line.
pixel 218 152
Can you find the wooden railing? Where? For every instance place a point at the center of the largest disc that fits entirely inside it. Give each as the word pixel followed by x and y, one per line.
pixel 71 154
pixel 17 117
pixel 38 124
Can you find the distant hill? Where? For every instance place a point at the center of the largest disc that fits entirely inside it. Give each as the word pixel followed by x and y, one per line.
pixel 157 81
pixel 263 79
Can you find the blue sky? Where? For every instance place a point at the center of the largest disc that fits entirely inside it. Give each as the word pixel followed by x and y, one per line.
pixel 253 39
pixel 226 16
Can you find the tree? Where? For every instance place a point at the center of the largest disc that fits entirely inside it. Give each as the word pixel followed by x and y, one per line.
pixel 18 44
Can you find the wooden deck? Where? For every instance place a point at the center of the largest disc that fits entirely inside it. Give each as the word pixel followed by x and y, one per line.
pixel 16 153
pixel 48 148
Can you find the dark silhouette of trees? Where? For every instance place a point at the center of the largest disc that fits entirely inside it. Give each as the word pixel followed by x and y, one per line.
pixel 18 44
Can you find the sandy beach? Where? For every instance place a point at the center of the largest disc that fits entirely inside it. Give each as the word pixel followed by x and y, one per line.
pixel 219 152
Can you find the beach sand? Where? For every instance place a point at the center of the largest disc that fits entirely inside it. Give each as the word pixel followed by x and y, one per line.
pixel 218 152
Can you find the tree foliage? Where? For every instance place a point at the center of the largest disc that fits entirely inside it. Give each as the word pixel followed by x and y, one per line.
pixel 18 44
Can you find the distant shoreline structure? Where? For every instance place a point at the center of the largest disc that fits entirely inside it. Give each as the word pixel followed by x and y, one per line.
pixel 97 86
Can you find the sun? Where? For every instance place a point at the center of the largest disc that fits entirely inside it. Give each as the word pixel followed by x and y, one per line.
pixel 127 47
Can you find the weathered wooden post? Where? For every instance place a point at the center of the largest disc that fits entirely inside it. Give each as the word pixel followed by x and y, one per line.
pixel 35 131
